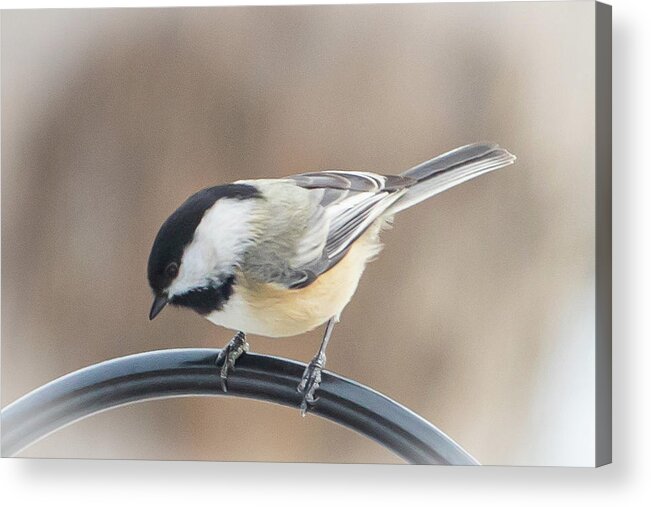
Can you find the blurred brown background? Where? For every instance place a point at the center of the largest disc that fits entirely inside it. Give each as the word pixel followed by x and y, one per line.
pixel 479 313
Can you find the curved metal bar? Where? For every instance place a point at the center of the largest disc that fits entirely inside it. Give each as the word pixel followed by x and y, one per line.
pixel 191 372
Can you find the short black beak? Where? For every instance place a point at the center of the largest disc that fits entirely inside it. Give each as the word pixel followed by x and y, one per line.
pixel 159 303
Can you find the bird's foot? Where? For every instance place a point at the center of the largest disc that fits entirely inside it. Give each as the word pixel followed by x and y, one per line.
pixel 228 355
pixel 310 382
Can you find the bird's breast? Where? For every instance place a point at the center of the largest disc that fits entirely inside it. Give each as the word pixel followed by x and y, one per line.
pixel 270 309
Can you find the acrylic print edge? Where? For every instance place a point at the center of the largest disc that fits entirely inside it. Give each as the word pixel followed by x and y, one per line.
pixel 603 233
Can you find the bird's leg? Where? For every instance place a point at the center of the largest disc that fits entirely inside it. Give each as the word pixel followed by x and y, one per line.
pixel 229 354
pixel 312 375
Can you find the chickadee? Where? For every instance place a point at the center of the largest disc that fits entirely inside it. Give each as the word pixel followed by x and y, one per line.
pixel 279 257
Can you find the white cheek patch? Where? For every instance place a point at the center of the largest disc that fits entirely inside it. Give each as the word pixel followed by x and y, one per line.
pixel 217 246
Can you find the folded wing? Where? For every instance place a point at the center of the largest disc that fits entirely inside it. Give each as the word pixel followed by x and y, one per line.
pixel 347 203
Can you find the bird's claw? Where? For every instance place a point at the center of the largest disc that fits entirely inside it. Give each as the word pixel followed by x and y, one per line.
pixel 229 355
pixel 310 382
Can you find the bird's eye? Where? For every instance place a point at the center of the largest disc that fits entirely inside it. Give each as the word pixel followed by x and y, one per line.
pixel 172 270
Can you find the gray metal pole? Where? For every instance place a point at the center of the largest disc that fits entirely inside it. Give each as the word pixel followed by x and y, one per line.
pixel 192 372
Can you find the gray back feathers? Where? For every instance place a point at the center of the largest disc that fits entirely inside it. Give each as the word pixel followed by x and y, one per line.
pixel 329 210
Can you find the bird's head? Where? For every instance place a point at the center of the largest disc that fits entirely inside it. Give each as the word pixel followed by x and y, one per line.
pixel 194 256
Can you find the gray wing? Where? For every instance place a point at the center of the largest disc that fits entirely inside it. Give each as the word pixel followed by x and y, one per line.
pixel 347 203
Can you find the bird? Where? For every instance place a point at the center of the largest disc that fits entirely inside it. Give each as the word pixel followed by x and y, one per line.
pixel 279 257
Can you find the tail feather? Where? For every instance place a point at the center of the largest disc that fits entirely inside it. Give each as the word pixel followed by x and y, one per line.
pixel 449 170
